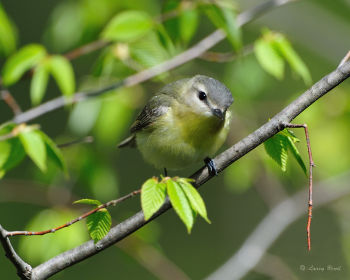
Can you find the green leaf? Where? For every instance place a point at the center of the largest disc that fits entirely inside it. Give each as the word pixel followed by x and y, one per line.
pixel 180 203
pixel 20 62
pixel 62 71
pixel 88 201
pixel 276 148
pixel 152 197
pixel 34 146
pixel 15 157
pixel 128 26
pixel 225 18
pixel 16 154
pixel 8 36
pixel 5 150
pixel 195 198
pixel 188 23
pixel 39 83
pixel 53 152
pixel 293 59
pixel 295 152
pixel 269 58
pixel 148 51
pixel 99 224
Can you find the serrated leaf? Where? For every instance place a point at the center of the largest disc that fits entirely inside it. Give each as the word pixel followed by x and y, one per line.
pixel 290 134
pixel 225 18
pixel 62 71
pixel 152 197
pixel 53 152
pixel 195 198
pixel 34 146
pixel 294 60
pixel 128 26
pixel 5 150
pixel 39 83
pixel 180 203
pixel 8 36
pixel 99 224
pixel 295 152
pixel 269 58
pixel 276 148
pixel 188 22
pixel 88 201
pixel 21 61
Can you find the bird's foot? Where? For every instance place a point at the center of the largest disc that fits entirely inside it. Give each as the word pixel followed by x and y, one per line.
pixel 165 172
pixel 211 166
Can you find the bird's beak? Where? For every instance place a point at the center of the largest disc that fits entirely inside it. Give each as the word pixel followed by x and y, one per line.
pixel 219 113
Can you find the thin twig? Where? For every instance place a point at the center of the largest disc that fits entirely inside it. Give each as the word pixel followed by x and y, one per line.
pixel 86 49
pixel 226 56
pixel 105 205
pixel 87 139
pixel 10 101
pixel 188 55
pixel 311 165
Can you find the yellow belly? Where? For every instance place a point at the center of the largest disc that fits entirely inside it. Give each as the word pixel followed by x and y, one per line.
pixel 176 142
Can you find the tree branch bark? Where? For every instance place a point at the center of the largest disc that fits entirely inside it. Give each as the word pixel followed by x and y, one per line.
pixel 223 160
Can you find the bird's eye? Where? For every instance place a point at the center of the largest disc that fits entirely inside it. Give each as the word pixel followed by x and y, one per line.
pixel 202 95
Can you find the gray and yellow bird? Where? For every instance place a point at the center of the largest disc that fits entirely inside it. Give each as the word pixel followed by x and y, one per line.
pixel 185 122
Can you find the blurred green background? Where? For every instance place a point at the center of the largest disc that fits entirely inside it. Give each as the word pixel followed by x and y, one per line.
pixel 236 200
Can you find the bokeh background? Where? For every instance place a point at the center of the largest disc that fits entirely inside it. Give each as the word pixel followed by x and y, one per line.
pixel 237 200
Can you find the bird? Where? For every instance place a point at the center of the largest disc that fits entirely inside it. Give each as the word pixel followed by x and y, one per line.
pixel 183 123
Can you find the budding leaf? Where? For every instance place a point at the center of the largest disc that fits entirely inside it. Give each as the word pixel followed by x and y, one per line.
pixel 53 152
pixel 39 83
pixel 88 201
pixel 195 199
pixel 180 203
pixel 224 17
pixel 276 148
pixel 62 71
pixel 128 26
pixel 35 147
pixel 22 61
pixel 8 36
pixel 152 197
pixel 269 58
pixel 99 224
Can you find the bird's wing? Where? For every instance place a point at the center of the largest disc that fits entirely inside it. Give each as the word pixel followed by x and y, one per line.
pixel 156 107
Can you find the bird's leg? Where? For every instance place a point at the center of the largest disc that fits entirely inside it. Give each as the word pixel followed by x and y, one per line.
pixel 165 172
pixel 211 166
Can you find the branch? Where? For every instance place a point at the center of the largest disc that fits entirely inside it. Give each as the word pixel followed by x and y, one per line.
pixel 105 205
pixel 188 55
pixel 223 160
pixel 274 223
pixel 311 165
pixel 88 48
pixel 23 269
pixel 9 99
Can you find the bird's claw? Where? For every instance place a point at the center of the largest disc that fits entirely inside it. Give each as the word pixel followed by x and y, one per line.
pixel 211 166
